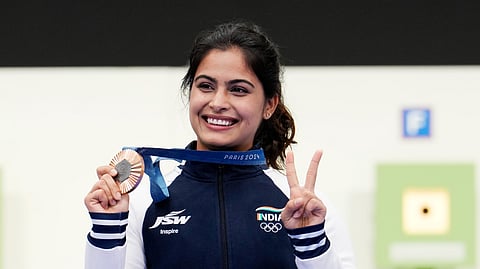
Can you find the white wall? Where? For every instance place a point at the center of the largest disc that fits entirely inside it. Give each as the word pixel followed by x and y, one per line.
pixel 59 124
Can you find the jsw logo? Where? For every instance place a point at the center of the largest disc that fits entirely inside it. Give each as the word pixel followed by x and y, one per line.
pixel 171 218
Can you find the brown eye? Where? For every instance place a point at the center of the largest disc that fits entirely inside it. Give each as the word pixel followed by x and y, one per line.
pixel 239 90
pixel 205 86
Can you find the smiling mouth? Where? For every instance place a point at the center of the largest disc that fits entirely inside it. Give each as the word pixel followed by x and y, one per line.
pixel 220 122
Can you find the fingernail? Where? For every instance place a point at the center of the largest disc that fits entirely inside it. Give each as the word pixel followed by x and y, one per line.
pixel 118 195
pixel 113 202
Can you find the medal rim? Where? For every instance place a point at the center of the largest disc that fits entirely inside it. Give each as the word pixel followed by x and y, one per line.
pixel 136 172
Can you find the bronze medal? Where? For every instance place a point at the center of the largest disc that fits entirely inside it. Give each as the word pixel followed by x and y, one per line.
pixel 130 168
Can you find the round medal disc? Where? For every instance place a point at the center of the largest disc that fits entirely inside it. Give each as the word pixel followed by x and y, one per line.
pixel 130 168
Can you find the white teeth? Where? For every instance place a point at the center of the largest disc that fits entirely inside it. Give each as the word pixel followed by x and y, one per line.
pixel 219 122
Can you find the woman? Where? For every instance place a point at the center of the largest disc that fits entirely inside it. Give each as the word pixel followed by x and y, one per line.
pixel 218 215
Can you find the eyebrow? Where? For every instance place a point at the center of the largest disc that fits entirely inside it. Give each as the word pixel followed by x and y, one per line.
pixel 229 82
pixel 205 77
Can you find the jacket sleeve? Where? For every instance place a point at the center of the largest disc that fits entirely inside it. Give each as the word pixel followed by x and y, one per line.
pixel 313 249
pixel 135 256
pixel 126 252
pixel 337 252
pixel 333 250
pixel 96 258
pixel 106 241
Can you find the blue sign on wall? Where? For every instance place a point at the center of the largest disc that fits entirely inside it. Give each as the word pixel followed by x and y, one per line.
pixel 416 122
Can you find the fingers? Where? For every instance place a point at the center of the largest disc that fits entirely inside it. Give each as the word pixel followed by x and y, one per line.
pixel 315 208
pixel 293 209
pixel 312 171
pixel 94 198
pixel 106 169
pixel 297 207
pixel 105 195
pixel 304 208
pixel 97 201
pixel 304 211
pixel 108 184
pixel 290 170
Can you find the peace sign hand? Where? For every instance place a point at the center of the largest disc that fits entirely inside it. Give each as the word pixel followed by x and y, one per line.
pixel 304 208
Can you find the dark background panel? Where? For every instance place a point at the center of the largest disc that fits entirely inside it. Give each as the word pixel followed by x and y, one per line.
pixel 159 33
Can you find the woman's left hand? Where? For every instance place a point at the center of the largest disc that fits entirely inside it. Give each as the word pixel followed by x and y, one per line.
pixel 304 208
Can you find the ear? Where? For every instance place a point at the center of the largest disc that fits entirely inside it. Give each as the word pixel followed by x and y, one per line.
pixel 270 106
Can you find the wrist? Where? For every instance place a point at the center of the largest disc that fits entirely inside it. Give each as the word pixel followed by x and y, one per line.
pixel 309 242
pixel 108 229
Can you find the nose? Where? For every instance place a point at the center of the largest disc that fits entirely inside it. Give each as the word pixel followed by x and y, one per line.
pixel 220 101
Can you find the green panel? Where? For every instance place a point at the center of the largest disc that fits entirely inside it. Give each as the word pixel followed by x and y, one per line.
pixel 394 180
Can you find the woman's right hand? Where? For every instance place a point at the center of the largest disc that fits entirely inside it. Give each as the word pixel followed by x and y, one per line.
pixel 105 196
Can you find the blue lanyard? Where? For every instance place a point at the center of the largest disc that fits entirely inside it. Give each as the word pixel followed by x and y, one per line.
pixel 158 187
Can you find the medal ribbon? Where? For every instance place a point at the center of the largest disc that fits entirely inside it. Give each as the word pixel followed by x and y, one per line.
pixel 158 187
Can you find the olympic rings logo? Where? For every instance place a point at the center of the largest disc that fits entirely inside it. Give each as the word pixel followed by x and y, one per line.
pixel 271 227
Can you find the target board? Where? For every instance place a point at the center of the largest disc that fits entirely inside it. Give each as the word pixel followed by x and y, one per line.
pixel 425 215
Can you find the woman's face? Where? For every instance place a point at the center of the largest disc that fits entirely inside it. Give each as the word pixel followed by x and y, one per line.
pixel 227 102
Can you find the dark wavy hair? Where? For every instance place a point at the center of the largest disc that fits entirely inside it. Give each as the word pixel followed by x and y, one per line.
pixel 262 55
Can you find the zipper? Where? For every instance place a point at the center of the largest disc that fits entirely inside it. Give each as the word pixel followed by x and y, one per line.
pixel 223 221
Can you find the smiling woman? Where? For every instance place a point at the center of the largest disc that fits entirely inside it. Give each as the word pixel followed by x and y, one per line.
pixel 227 102
pixel 211 218
pixel 257 64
